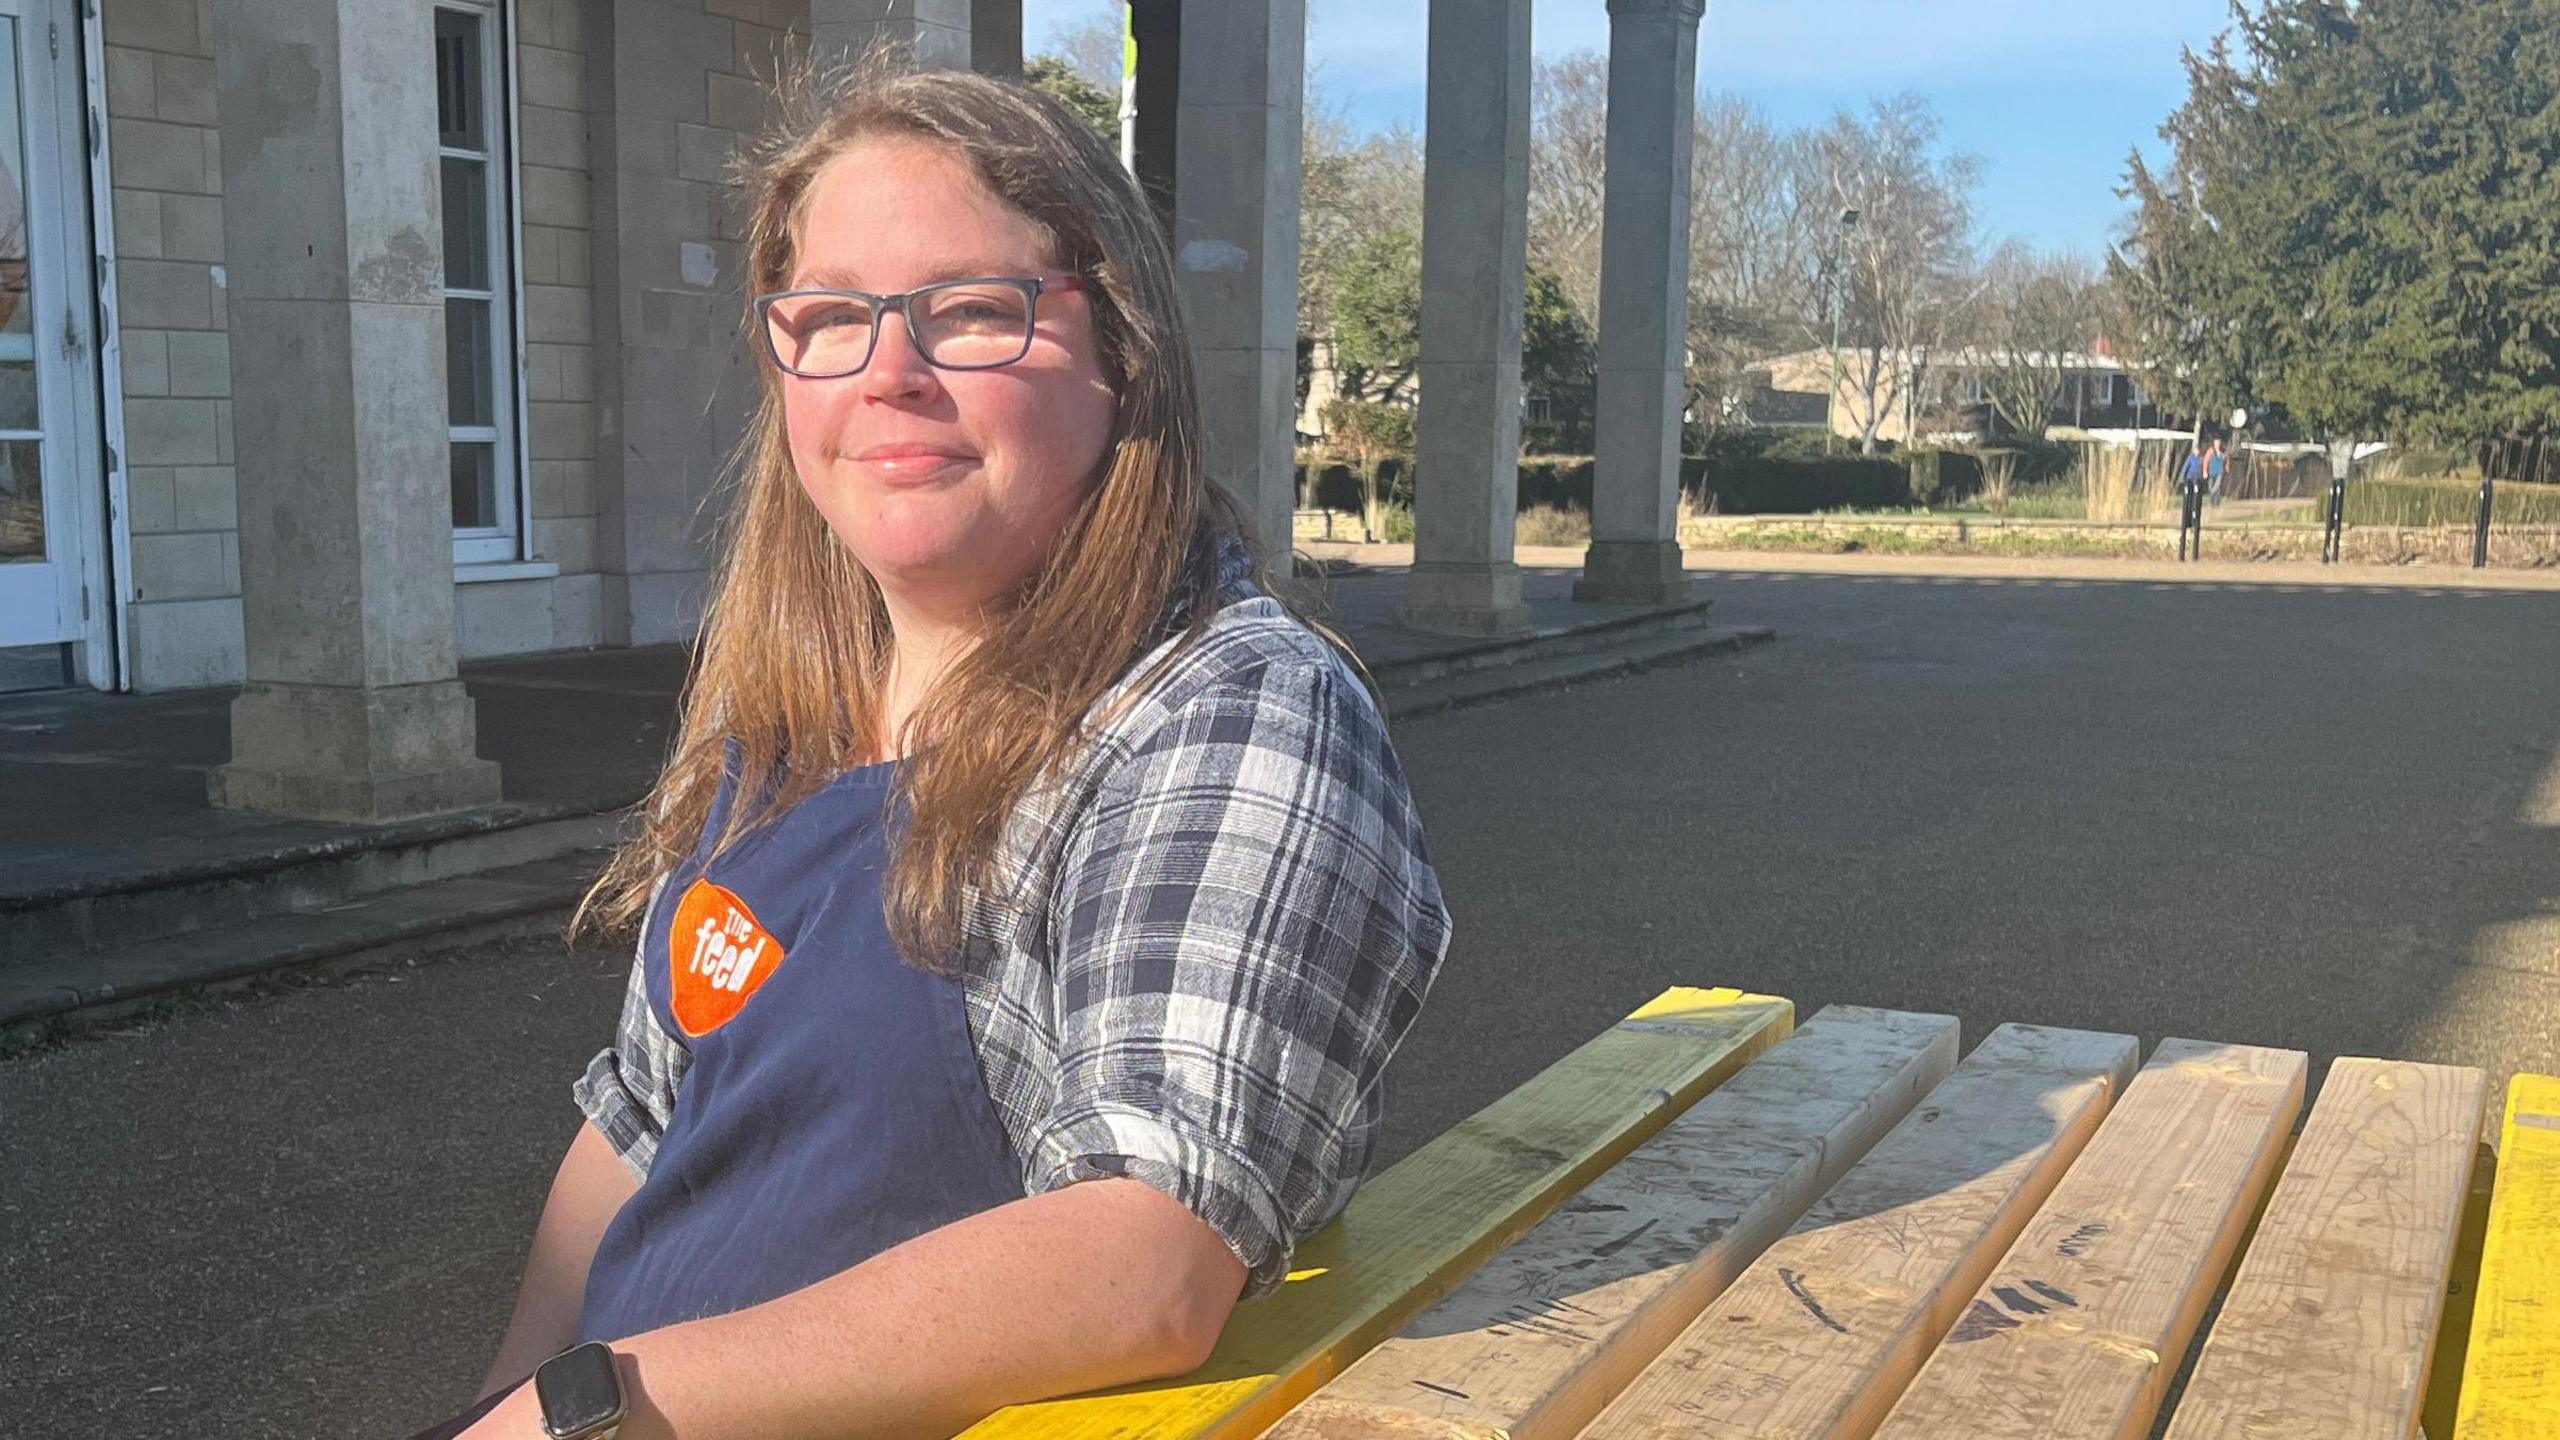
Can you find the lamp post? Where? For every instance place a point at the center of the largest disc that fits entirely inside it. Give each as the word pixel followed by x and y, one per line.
pixel 1831 407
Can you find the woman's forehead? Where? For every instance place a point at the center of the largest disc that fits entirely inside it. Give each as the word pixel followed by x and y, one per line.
pixel 896 213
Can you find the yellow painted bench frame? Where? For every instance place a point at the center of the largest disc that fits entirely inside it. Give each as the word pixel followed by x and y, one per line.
pixel 1415 1231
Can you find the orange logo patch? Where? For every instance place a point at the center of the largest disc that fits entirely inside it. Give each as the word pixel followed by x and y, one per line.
pixel 717 955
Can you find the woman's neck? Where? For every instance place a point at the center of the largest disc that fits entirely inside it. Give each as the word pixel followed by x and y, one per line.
pixel 923 646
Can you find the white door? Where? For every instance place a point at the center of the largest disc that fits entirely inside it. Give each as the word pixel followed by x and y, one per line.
pixel 52 498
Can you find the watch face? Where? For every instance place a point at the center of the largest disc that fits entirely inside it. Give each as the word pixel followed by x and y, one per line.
pixel 579 1389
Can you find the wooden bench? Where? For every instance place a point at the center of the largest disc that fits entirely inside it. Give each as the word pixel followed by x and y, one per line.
pixel 1710 1222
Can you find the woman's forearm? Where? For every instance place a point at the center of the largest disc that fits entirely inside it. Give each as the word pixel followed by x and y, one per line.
pixel 1103 1283
pixel 588 1191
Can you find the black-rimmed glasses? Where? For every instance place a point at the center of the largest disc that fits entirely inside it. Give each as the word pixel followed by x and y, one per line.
pixel 956 325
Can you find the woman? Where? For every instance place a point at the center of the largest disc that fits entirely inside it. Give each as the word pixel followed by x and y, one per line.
pixel 1032 902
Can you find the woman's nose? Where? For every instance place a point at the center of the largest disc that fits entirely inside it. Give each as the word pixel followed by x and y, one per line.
pixel 897 369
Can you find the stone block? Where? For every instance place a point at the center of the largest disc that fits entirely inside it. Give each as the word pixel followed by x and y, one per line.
pixel 146 362
pixel 770 14
pixel 1633 572
pixel 184 90
pixel 555 197
pixel 736 103
pixel 568 541
pixel 187 565
pixel 153 155
pixel 563 430
pixel 199 363
pixel 1237 244
pixel 129 84
pixel 164 294
pixel 558 314
pixel 577 612
pixel 1465 599
pixel 564 487
pixel 365 754
pixel 172 26
pixel 764 51
pixel 138 224
pixel 169 432
pixel 665 606
pixel 501 617
pixel 186 644
pixel 702 153
pixel 151 498
pixel 191 227
pixel 557 138
pixel 208 498
pixel 554 78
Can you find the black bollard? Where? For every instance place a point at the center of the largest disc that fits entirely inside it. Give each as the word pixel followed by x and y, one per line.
pixel 2332 540
pixel 2480 531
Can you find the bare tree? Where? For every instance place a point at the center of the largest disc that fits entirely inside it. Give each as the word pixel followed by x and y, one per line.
pixel 2037 310
pixel 1092 46
pixel 1904 262
pixel 1754 198
pixel 1568 150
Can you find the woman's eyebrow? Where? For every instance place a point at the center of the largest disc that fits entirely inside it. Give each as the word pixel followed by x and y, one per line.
pixel 836 278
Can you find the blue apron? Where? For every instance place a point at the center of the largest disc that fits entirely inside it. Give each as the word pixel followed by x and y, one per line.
pixel 834 1106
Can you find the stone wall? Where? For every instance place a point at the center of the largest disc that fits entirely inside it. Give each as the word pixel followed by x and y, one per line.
pixel 183 626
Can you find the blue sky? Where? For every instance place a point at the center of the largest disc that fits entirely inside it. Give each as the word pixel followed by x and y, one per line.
pixel 2050 93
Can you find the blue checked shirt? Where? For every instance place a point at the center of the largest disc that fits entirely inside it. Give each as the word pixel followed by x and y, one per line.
pixel 1221 922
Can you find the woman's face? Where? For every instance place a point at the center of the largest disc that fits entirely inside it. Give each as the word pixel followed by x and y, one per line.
pixel 948 485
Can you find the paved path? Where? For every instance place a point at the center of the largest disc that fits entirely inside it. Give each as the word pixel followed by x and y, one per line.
pixel 2263 813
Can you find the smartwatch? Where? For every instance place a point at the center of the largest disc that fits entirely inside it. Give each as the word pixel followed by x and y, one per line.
pixel 581 1393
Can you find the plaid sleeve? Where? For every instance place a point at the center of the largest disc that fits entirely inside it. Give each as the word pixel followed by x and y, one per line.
pixel 1244 928
pixel 629 1088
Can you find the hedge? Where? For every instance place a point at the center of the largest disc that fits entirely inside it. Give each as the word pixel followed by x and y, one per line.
pixel 1735 484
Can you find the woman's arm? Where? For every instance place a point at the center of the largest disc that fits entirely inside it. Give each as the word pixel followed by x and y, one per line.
pixel 591 1186
pixel 1103 1283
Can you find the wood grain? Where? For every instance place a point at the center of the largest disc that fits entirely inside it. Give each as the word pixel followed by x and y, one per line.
pixel 1535 1342
pixel 2327 1332
pixel 1413 1232
pixel 1822 1333
pixel 2081 1325
pixel 2511 1383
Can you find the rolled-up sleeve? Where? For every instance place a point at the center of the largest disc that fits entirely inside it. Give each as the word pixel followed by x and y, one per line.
pixel 1244 929
pixel 629 1088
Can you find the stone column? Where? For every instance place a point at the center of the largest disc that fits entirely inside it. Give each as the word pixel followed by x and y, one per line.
pixel 1157 27
pixel 995 37
pixel 1644 302
pixel 1235 242
pixel 937 31
pixel 1475 237
pixel 330 201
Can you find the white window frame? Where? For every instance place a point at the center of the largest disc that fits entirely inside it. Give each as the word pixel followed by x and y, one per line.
pixel 2102 388
pixel 510 540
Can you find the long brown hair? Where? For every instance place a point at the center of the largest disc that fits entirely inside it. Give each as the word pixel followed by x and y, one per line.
pixel 795 638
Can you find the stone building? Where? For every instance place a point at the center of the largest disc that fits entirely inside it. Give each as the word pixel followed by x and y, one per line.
pixel 345 339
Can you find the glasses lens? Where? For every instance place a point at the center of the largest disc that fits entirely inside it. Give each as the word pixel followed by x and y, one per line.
pixel 821 334
pixel 973 324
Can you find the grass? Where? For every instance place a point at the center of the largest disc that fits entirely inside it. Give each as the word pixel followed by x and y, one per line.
pixel 2451 500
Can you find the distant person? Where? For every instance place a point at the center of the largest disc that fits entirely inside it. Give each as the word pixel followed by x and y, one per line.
pixel 2192 477
pixel 2216 460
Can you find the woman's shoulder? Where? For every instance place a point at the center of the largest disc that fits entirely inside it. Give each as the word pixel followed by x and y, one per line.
pixel 1251 642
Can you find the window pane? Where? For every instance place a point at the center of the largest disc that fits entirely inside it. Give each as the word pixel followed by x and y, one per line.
pixel 21 501
pixel 475 485
pixel 466 224
pixel 458 100
pixel 468 363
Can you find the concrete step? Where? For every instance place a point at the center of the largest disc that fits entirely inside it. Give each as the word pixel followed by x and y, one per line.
pixel 148 904
pixel 1540 644
pixel 1635 652
pixel 443 912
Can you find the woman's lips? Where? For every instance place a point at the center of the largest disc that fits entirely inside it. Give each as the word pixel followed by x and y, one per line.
pixel 912 467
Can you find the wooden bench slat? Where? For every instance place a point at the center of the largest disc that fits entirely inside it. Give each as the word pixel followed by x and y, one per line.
pixel 2328 1328
pixel 1421 1226
pixel 2511 1380
pixel 2081 1325
pixel 1537 1340
pixel 1822 1333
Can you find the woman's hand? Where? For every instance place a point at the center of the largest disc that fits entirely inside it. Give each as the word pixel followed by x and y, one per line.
pixel 518 1417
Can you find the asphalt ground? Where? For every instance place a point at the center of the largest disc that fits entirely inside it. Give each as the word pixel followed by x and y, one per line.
pixel 2246 812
